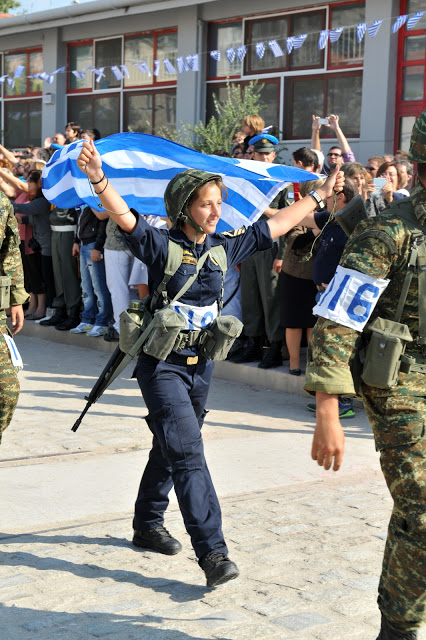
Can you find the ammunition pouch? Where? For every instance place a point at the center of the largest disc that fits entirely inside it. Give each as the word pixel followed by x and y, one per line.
pixel 131 328
pixel 5 283
pixel 383 355
pixel 413 363
pixel 165 328
pixel 216 341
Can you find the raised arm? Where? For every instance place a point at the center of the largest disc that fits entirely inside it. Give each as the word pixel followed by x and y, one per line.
pixel 8 155
pixel 315 140
pixel 90 162
pixel 341 138
pixel 14 181
pixel 287 218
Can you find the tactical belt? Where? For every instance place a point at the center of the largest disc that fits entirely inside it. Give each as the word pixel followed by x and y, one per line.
pixel 177 358
pixel 65 227
pixel 187 339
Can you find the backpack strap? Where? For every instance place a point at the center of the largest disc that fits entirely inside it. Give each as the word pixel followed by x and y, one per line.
pixel 218 253
pixel 174 260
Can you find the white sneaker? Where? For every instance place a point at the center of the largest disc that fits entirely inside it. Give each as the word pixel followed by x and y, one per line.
pixel 97 331
pixel 82 328
pixel 49 313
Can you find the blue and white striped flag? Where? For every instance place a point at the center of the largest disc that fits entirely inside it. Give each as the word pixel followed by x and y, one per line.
pixel 139 166
pixel 181 64
pixel 411 22
pixel 241 52
pixel 275 48
pixel 322 40
pixel 156 67
pixel 361 28
pixel 215 55
pixel 289 44
pixel 373 28
pixel 335 34
pixel 117 73
pixel 299 40
pixel 260 49
pixel 125 70
pixel 401 20
pixel 230 54
pixel 168 66
pixel 192 60
pixel 78 74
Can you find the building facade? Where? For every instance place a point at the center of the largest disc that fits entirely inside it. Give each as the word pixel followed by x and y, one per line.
pixel 375 85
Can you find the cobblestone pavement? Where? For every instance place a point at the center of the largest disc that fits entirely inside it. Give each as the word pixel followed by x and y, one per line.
pixel 308 544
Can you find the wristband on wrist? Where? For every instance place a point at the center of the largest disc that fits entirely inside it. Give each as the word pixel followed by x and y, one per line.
pixel 103 178
pixel 99 192
pixel 320 202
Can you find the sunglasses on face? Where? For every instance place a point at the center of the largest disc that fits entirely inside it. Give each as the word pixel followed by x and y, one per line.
pixel 336 155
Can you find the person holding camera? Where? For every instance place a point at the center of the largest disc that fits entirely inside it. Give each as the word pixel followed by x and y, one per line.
pixel 337 154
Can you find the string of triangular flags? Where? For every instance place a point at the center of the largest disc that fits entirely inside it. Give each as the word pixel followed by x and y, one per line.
pixel 191 62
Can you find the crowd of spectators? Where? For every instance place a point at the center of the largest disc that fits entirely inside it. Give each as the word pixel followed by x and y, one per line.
pixel 81 275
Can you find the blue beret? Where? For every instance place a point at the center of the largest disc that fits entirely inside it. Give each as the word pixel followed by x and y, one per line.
pixel 264 136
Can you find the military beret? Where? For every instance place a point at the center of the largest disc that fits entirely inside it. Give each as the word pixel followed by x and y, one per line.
pixel 264 142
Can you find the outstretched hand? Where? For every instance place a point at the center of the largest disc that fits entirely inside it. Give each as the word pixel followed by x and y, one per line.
pixel 315 124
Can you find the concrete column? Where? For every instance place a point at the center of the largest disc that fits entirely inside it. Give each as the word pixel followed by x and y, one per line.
pixel 53 117
pixel 379 82
pixel 190 83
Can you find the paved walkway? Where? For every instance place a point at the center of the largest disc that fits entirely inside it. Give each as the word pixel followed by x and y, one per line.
pixel 308 543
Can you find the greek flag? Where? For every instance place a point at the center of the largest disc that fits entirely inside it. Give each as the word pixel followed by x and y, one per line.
pixel 335 34
pixel 411 22
pixel 323 37
pixel 275 48
pixel 230 54
pixel 373 28
pixel 299 40
pixel 260 49
pixel 399 22
pixel 290 44
pixel 139 166
pixel 361 28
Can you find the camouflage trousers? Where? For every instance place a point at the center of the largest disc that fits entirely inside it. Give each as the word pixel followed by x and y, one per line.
pixel 9 384
pixel 398 418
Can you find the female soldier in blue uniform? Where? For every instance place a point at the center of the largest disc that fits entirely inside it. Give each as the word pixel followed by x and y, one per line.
pixel 175 390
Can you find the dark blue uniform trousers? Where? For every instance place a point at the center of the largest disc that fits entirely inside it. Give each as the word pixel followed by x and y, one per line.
pixel 175 396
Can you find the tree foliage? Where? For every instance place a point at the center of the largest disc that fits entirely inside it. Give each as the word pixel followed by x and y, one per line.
pixel 217 133
pixel 6 5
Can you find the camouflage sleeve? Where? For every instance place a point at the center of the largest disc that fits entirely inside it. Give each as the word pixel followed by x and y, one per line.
pixel 333 347
pixel 10 255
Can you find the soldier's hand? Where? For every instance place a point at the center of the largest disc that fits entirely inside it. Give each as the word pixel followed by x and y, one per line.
pixel 335 182
pixel 16 318
pixel 329 439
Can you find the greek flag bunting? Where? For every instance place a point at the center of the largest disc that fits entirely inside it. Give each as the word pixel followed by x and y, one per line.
pixel 139 166
pixel 3 78
pixel 289 44
pixel 411 22
pixel 215 55
pixel 125 70
pixel 241 52
pixel 361 28
pixel 78 74
pixel 11 82
pixel 143 67
pixel 230 54
pixel 335 34
pixel 275 48
pixel 260 49
pixel 117 73
pixel 181 65
pixel 99 73
pixel 373 28
pixel 156 70
pixel 168 66
pixel 322 41
pixel 18 71
pixel 299 40
pixel 399 22
pixel 192 60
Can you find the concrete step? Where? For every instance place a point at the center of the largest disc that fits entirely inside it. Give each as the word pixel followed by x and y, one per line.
pixel 277 379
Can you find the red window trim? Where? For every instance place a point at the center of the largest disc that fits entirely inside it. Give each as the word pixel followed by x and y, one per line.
pixel 79 43
pixel 171 90
pixel 324 77
pixel 33 94
pixel 155 82
pixel 406 107
pixel 331 7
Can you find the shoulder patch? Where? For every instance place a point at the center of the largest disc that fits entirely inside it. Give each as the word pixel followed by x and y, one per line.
pixel 233 233
pixel 379 235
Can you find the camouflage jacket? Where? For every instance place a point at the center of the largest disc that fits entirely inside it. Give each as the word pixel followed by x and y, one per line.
pixel 380 248
pixel 10 255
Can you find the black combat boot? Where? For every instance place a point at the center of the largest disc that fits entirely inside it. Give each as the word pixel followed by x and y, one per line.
pixel 390 633
pixel 157 539
pixel 273 357
pixel 71 321
pixel 58 317
pixel 218 568
pixel 251 353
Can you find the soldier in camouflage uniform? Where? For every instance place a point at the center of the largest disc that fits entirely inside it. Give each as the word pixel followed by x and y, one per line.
pixel 11 266
pixel 381 248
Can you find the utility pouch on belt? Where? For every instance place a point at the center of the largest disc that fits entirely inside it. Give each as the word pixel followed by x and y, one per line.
pixel 219 337
pixel 5 283
pixel 383 356
pixel 165 328
pixel 133 322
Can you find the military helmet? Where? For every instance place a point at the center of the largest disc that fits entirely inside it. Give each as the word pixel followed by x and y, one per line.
pixel 181 188
pixel 417 152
